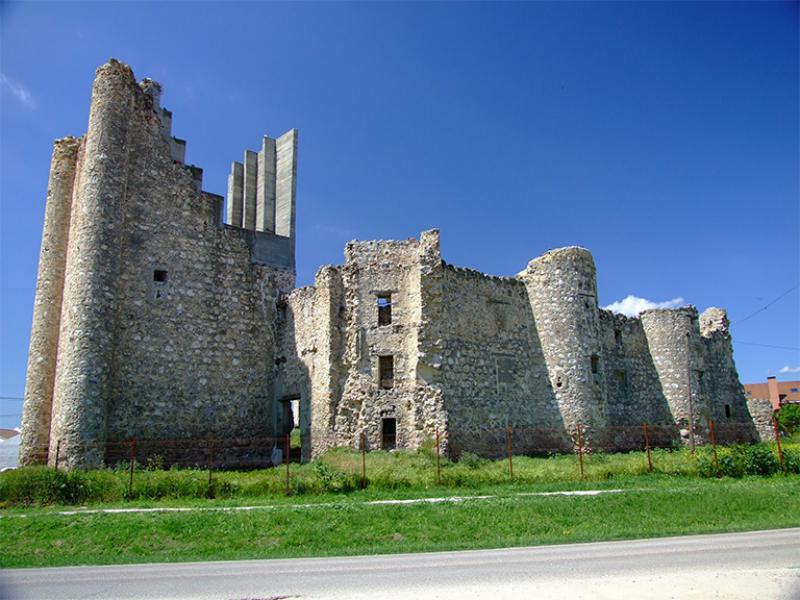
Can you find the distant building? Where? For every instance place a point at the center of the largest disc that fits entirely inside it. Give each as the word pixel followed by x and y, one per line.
pixel 8 433
pixel 9 449
pixel 777 392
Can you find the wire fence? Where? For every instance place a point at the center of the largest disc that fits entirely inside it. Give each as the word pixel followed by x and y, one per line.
pixel 507 444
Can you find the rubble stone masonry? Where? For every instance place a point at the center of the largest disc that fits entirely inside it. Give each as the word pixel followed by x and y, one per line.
pixel 156 319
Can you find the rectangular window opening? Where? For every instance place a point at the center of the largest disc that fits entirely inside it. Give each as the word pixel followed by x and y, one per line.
pixel 384 309
pixel 388 434
pixel 727 411
pixel 617 336
pixel 622 379
pixel 595 364
pixel 160 276
pixel 386 371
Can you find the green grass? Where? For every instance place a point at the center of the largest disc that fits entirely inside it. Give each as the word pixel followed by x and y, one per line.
pixel 388 474
pixel 681 496
pixel 650 506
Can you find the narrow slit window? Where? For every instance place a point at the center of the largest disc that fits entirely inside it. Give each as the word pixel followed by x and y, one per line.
pixel 386 371
pixel 595 364
pixel 727 411
pixel 384 309
pixel 622 379
pixel 617 336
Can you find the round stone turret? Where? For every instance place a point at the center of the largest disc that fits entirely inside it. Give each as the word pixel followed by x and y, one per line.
pixel 563 293
pixel 80 399
pixel 673 337
pixel 35 436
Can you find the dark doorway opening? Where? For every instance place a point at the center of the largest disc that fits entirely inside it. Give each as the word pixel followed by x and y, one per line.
pixel 289 425
pixel 389 434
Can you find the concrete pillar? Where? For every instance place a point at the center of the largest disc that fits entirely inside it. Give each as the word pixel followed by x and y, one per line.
pixel 36 410
pixel 235 190
pixel 562 288
pixel 286 183
pixel 265 194
pixel 250 178
pixel 89 308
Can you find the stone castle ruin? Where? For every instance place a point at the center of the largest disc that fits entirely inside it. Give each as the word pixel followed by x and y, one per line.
pixel 157 319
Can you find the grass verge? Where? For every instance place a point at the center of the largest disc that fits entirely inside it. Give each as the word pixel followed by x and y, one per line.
pixel 351 527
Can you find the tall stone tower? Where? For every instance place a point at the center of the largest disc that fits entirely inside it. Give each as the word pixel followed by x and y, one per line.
pixel 153 318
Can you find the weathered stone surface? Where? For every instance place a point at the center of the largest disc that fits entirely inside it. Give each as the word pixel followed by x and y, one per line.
pixel 156 320
pixel 762 412
pixel 41 373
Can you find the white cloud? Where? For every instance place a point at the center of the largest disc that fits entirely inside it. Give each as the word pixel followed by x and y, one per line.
pixel 788 369
pixel 631 306
pixel 20 92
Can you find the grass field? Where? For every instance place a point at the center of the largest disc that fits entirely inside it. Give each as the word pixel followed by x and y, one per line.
pixel 346 525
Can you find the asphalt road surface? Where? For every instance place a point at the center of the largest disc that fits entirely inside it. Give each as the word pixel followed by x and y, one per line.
pixel 747 566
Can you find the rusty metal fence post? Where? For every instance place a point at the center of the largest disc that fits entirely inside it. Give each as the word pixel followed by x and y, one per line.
pixel 778 441
pixel 288 444
pixel 363 460
pixel 580 449
pixel 438 459
pixel 210 489
pixel 510 450
pixel 647 448
pixel 131 467
pixel 713 433
pixel 58 453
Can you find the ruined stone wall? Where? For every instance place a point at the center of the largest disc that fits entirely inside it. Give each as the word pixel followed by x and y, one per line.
pixel 633 388
pixel 726 401
pixel 494 372
pixel 155 320
pixel 373 268
pixel 471 359
pixel 297 337
pixel 309 363
pixel 761 413
pixel 330 344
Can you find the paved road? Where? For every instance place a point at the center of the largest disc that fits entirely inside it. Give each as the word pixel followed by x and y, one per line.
pixel 764 564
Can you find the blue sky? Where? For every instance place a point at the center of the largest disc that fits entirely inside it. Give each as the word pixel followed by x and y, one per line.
pixel 662 136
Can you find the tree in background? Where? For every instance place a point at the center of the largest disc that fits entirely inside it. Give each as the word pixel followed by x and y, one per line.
pixel 789 418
